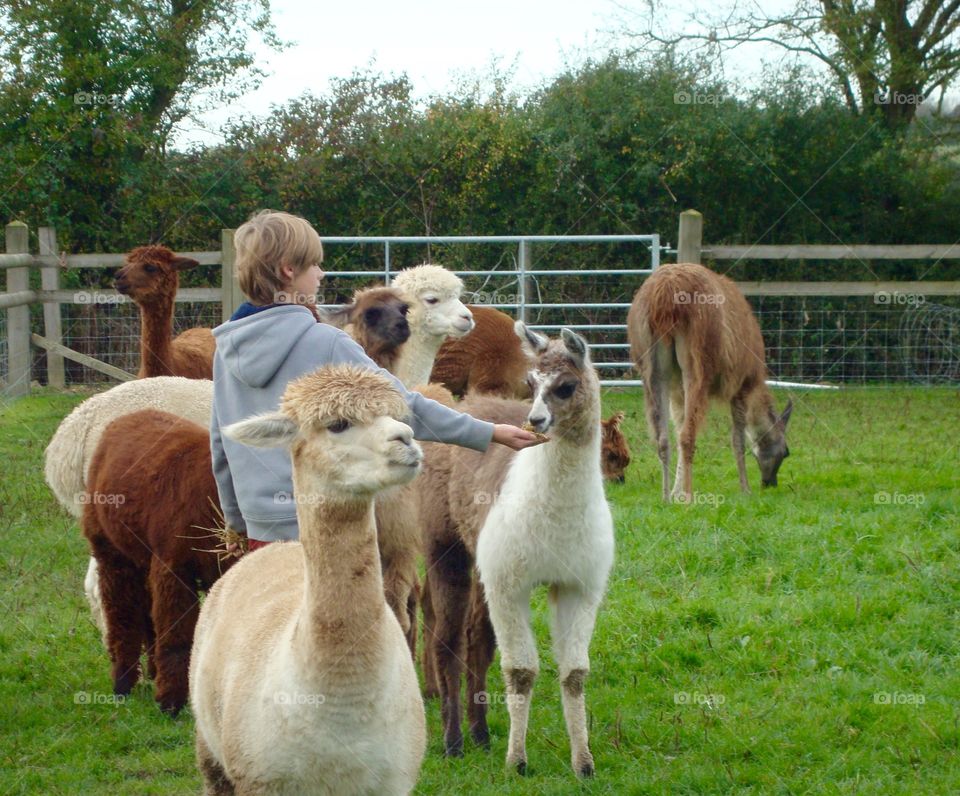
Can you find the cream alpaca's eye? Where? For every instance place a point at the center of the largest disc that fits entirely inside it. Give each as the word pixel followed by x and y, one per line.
pixel 339 427
pixel 431 300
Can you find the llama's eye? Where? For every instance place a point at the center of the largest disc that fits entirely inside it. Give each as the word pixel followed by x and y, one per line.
pixel 150 269
pixel 338 427
pixel 564 391
pixel 431 300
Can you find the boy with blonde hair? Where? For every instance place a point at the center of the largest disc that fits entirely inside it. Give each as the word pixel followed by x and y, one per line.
pixel 275 337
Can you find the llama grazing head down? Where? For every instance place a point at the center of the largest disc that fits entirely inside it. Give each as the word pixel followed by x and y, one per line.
pixel 151 274
pixel 342 424
pixel 563 383
pixel 435 306
pixel 770 446
pixel 614 453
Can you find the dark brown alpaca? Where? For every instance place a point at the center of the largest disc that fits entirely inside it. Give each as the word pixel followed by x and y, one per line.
pixel 150 277
pixel 376 319
pixel 614 453
pixel 694 337
pixel 488 360
pixel 150 483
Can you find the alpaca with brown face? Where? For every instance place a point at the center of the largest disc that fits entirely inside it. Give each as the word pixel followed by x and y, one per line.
pixel 694 337
pixel 150 277
pixel 614 452
pixel 376 319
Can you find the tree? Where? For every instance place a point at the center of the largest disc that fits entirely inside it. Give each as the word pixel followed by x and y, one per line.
pixel 884 55
pixel 91 90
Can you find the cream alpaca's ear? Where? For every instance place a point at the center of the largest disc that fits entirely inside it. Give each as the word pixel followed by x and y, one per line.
pixel 576 346
pixel 532 343
pixel 271 430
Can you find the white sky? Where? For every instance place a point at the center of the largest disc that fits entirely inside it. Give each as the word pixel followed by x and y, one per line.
pixel 432 41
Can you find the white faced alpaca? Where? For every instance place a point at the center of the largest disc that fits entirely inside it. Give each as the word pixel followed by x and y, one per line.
pixel 314 691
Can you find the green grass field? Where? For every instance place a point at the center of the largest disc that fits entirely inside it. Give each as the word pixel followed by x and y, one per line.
pixel 802 640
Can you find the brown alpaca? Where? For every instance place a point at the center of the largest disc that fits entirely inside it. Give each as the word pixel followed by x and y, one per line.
pixel 376 319
pixel 694 337
pixel 150 277
pixel 614 453
pixel 488 360
pixel 150 492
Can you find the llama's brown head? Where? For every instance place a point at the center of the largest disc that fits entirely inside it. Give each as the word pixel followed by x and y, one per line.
pixel 614 453
pixel 379 312
pixel 770 446
pixel 564 385
pixel 150 274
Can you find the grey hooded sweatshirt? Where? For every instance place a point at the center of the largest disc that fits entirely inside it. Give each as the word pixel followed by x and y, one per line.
pixel 256 357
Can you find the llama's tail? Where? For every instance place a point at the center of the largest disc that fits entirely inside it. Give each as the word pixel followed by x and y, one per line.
pixel 64 465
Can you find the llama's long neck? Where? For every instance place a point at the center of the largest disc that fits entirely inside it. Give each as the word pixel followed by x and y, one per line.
pixel 760 415
pixel 343 604
pixel 156 331
pixel 417 355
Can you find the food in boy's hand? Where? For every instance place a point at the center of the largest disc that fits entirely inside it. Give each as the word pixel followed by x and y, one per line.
pixel 528 426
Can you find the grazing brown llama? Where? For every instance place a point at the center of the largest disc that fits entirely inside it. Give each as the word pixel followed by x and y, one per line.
pixel 150 276
pixel 489 360
pixel 694 337
pixel 150 494
pixel 614 452
pixel 376 319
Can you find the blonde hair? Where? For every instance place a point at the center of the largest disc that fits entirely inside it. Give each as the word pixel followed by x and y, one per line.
pixel 269 240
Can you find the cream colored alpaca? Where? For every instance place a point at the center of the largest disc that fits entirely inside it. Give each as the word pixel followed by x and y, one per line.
pixel 300 677
pixel 435 314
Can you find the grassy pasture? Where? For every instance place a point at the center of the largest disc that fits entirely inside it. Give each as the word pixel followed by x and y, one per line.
pixel 802 640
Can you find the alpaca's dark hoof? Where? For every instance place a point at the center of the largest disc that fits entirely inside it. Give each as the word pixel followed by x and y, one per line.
pixel 482 739
pixel 586 770
pixel 124 682
pixel 171 706
pixel 522 767
pixel 454 748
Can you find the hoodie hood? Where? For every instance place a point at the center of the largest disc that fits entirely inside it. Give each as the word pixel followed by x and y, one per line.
pixel 253 348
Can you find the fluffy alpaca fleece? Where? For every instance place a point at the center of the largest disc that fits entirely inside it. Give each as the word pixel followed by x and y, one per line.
pixel 376 319
pixel 537 516
pixel 489 360
pixel 68 456
pixel 435 314
pixel 313 690
pixel 150 277
pixel 151 496
pixel 693 336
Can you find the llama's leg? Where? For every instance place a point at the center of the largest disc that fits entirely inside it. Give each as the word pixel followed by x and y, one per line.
pixel 431 689
pixel 656 389
pixel 738 410
pixel 413 599
pixel 215 781
pixel 481 644
pixel 91 586
pixel 398 574
pixel 573 614
pixel 510 615
pixel 676 415
pixel 175 609
pixel 449 570
pixel 695 398
pixel 123 594
pixel 149 637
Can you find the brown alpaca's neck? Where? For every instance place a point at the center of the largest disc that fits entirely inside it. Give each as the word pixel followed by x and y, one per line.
pixel 343 605
pixel 760 414
pixel 156 331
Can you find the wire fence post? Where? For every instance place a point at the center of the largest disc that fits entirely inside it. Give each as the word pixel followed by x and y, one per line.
pixel 690 237
pixel 52 323
pixel 18 318
pixel 386 263
pixel 523 265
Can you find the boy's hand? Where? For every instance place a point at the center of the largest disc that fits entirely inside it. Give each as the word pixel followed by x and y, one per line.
pixel 514 437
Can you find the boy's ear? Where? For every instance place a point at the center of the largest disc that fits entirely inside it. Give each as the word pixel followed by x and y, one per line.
pixel 272 430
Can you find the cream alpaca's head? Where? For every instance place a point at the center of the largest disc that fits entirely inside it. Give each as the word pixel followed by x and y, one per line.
pixel 342 425
pixel 435 306
pixel 563 383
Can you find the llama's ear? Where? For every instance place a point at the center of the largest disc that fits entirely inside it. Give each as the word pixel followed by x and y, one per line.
pixel 785 417
pixel 271 430
pixel 335 316
pixel 576 346
pixel 615 420
pixel 532 343
pixel 180 263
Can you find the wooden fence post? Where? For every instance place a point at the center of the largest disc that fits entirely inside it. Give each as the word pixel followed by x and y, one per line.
pixel 18 318
pixel 690 237
pixel 231 296
pixel 52 327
